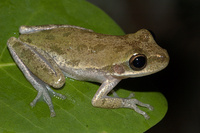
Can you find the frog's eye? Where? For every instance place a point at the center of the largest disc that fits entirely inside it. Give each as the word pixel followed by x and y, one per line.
pixel 138 62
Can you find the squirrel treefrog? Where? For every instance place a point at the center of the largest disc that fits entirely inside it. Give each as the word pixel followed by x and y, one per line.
pixel 46 54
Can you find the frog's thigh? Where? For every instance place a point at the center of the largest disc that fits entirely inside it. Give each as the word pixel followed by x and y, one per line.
pixel 38 62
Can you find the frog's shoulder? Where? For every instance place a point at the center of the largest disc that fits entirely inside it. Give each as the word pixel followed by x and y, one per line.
pixel 32 29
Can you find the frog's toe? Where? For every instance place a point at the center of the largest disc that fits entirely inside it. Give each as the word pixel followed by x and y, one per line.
pixel 131 95
pixel 59 96
pixel 149 107
pixel 53 114
pixel 114 94
pixel 33 103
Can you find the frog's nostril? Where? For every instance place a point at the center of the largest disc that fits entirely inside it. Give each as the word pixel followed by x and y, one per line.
pixel 163 58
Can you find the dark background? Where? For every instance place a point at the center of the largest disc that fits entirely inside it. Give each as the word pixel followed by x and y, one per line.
pixel 176 25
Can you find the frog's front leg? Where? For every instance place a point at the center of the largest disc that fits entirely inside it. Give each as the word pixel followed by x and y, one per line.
pixel 17 50
pixel 102 100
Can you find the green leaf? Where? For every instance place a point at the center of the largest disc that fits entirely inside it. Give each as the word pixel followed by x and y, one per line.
pixel 75 114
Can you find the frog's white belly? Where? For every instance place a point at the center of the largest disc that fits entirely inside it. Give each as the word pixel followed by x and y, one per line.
pixel 84 75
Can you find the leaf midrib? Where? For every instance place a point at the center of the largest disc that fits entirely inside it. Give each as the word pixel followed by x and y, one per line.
pixel 7 64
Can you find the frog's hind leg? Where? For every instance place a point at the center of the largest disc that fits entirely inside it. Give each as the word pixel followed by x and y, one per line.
pixel 102 100
pixel 42 88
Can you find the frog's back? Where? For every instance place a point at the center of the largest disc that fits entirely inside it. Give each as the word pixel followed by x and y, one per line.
pixel 79 48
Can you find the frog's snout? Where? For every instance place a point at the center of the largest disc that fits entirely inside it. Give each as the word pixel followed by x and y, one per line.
pixel 163 58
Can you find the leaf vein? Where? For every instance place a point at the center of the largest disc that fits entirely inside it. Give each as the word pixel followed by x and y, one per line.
pixel 20 115
pixel 3 51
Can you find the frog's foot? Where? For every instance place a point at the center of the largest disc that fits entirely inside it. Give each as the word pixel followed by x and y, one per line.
pixel 132 104
pixel 44 93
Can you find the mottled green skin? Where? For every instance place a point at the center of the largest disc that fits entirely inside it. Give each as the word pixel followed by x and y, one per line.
pixel 83 49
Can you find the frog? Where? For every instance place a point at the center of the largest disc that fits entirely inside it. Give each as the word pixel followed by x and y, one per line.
pixel 48 54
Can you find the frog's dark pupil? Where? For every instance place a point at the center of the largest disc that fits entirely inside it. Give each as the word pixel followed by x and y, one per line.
pixel 139 62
